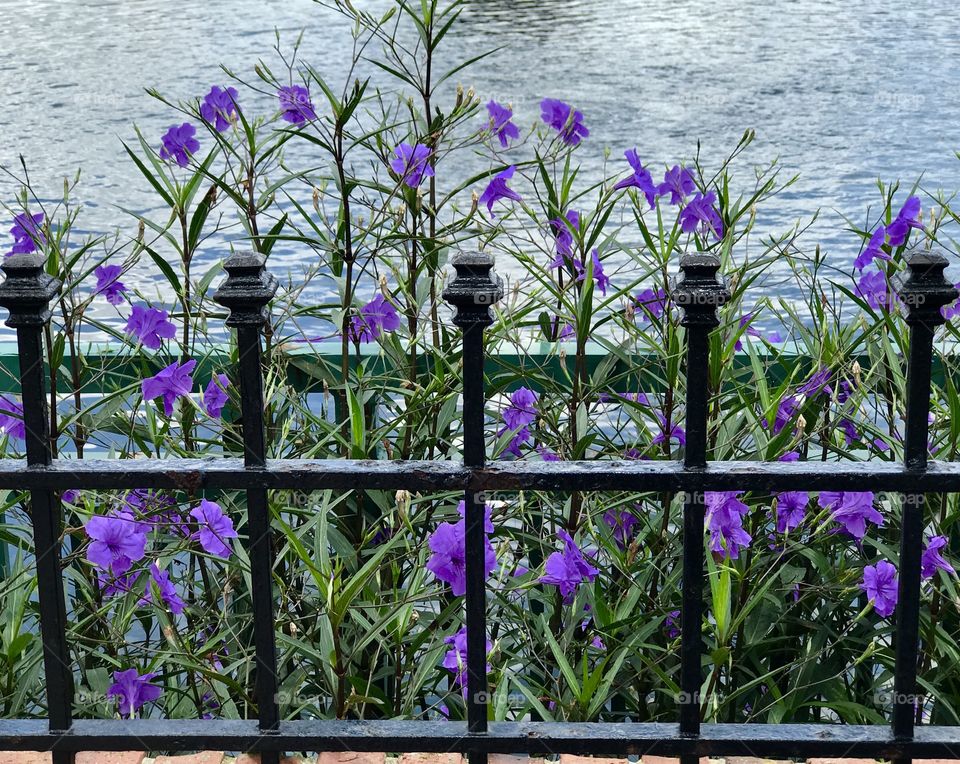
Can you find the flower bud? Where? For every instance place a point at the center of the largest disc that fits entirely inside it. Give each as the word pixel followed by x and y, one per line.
pixel 475 201
pixel 856 373
pixel 316 199
pixel 801 423
pixel 403 504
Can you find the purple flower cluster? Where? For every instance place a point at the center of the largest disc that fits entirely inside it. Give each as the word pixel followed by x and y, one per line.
pixel 215 395
pixel 295 104
pixel 179 143
pixel 623 523
pixel 500 123
pixel 517 418
pixel 699 214
pixel 456 657
pixel 791 509
pixel 880 584
pixel 109 284
pixel 566 120
pixel 215 528
pixel 448 547
pixel 497 189
pixel 932 560
pixel 412 163
pixel 170 383
pixel 133 690
pixel 567 569
pixel 150 326
pixel 851 509
pixel 893 235
pixel 725 513
pixel 117 541
pixel 652 302
pixel 219 108
pixel 11 418
pixel 27 233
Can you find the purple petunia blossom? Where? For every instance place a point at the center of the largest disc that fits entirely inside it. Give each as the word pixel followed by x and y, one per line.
pixel 166 589
pixel 932 560
pixel 872 287
pixel 786 410
pixel 850 433
pixel 852 509
pixel 456 657
pixel 564 119
pixel 599 277
pixel 563 232
pixel 622 522
pixel 70 496
pixel 117 541
pixel 819 382
pixel 678 182
pixel 652 301
pixel 791 508
pixel 567 569
pixel 295 105
pixel 748 330
pixel 150 326
pixel 179 144
pixel 522 409
pixel 27 233
pixel 725 514
pixel 880 584
pixel 448 546
pixel 111 585
pixel 640 178
pixel 677 433
pixel 376 317
pixel 109 284
pixel 497 189
pixel 412 163
pixel 171 383
pixel 672 623
pixel 500 123
pixel 953 309
pixel 215 528
pixel 215 395
pixel 219 107
pixel 133 691
pixel 872 251
pixel 699 214
pixel 907 218
pixel 11 418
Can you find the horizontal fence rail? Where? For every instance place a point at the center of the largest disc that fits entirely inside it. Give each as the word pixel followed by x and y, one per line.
pixel 246 293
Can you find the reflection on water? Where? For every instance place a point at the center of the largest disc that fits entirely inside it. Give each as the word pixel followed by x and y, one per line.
pixel 842 92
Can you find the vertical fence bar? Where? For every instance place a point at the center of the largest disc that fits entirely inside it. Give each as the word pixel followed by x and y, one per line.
pixel 247 292
pixel 26 293
pixel 699 293
pixel 472 292
pixel 922 294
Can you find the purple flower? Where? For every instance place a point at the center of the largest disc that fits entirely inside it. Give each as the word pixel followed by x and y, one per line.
pixel 932 560
pixel 500 123
pixel 215 528
pixel 700 214
pixel 179 144
pixel 952 310
pixel 522 409
pixel 564 332
pixel 672 623
pixel 789 456
pixel 497 189
pixel 26 233
pixel 880 584
pixel 166 589
pixel 376 317
pixel 872 287
pixel 448 545
pixel 563 232
pixel 219 107
pixel 791 508
pixel 171 383
pixel 725 514
pixel 412 163
pixel 872 251
pixel 133 691
pixel 70 496
pixel 852 509
pixel 564 119
pixel 456 657
pixel 640 179
pixel 11 418
pixel 520 437
pixel 850 434
pixel 678 182
pixel 786 410
pixel 652 301
pixel 819 381
pixel 295 105
pixel 215 395
pixel 567 569
pixel 599 277
pixel 111 585
pixel 907 218
pixel 677 433
pixel 622 522
pixel 117 541
pixel 748 330
pixel 109 284
pixel 150 326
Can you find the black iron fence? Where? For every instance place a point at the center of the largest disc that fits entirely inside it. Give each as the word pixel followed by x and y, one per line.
pixel 246 292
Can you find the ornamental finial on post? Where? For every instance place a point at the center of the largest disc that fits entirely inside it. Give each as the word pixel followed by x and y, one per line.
pixel 700 290
pixel 27 290
pixel 247 290
pixel 475 288
pixel 923 289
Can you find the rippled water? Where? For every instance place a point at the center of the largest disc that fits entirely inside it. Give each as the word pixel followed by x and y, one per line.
pixel 842 92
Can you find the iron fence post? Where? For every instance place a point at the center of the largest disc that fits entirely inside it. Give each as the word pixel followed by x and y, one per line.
pixel 26 293
pixel 923 292
pixel 699 292
pixel 247 292
pixel 474 289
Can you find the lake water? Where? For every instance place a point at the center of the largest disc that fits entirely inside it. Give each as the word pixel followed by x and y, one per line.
pixel 842 92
